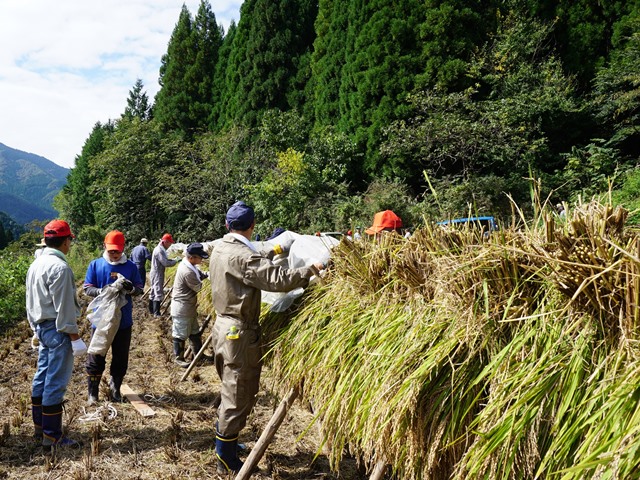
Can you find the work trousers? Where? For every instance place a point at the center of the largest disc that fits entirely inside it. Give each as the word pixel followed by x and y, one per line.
pixel 55 364
pixel 156 277
pixel 238 360
pixel 143 274
pixel 96 364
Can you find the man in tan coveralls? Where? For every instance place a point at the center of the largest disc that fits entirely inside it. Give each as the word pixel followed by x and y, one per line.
pixel 238 273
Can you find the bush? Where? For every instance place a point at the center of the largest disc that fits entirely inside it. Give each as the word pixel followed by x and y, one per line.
pixel 13 274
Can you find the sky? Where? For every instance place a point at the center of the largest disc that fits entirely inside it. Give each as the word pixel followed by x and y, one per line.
pixel 67 64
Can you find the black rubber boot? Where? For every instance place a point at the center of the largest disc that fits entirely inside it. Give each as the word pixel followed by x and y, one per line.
pixel 151 307
pixel 52 428
pixel 93 384
pixel 114 386
pixel 178 351
pixel 36 414
pixel 156 308
pixel 227 454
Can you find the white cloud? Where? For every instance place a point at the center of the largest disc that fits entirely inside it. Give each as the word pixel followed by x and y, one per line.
pixel 68 64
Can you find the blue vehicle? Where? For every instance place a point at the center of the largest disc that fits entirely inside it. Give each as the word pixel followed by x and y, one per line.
pixel 486 224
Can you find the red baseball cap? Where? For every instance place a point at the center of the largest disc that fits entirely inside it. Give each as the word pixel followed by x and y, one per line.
pixel 382 220
pixel 167 238
pixel 114 241
pixel 57 228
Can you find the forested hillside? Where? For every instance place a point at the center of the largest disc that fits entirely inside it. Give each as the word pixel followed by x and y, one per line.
pixel 321 113
pixel 28 184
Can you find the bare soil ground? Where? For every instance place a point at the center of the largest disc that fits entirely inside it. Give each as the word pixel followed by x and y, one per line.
pixel 176 443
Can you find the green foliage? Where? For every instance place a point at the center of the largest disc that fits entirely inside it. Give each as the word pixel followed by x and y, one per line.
pixel 201 183
pixel 125 187
pixel 583 31
pixel 617 89
pixel 266 67
pixel 448 36
pixel 13 274
pixel 589 171
pixel 627 195
pixel 304 177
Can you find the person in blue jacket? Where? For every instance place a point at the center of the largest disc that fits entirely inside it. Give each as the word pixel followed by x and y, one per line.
pixel 101 272
pixel 139 256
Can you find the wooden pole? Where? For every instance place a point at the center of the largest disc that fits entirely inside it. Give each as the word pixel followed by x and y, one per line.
pixel 196 358
pixel 378 471
pixel 267 435
pixel 166 301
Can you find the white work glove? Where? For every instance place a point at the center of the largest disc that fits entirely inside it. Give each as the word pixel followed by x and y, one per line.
pixel 35 341
pixel 78 347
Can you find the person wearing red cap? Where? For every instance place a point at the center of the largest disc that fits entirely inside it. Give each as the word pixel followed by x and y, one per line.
pixel 53 311
pixel 102 272
pixel 385 221
pixel 159 261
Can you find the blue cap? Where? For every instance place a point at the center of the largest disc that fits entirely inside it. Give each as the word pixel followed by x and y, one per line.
pixel 197 249
pixel 240 216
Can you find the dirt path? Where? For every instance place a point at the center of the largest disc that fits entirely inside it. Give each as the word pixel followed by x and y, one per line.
pixel 177 443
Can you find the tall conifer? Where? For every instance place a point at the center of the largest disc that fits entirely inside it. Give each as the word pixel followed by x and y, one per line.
pixel 220 89
pixel 382 59
pixel 173 100
pixel 265 65
pixel 207 42
pixel 137 103
pixel 328 60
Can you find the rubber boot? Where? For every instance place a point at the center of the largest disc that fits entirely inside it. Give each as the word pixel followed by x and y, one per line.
pixel 196 345
pixel 151 307
pixel 178 351
pixel 227 454
pixel 52 428
pixel 156 308
pixel 36 414
pixel 114 386
pixel 93 384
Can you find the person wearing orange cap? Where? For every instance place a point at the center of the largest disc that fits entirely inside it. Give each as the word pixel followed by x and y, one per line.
pixel 53 311
pixel 102 272
pixel 385 221
pixel 159 261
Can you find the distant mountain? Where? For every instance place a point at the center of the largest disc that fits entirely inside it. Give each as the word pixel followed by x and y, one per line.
pixel 28 183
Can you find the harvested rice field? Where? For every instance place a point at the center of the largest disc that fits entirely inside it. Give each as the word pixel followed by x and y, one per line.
pixel 176 443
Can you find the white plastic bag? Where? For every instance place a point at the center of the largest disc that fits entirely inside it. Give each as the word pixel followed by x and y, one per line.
pixel 105 314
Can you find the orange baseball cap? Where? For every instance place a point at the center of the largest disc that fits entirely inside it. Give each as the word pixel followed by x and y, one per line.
pixel 382 220
pixel 114 241
pixel 57 228
pixel 167 238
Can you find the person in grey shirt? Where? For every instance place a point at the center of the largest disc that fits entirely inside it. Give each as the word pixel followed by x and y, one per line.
pixel 53 311
pixel 159 261
pixel 184 302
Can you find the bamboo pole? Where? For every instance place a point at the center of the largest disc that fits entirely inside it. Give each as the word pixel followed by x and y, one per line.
pixel 196 358
pixel 166 301
pixel 378 471
pixel 267 435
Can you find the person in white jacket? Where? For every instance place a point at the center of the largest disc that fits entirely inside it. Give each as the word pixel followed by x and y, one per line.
pixel 184 302
pixel 159 261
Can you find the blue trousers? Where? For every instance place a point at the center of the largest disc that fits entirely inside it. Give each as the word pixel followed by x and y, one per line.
pixel 55 364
